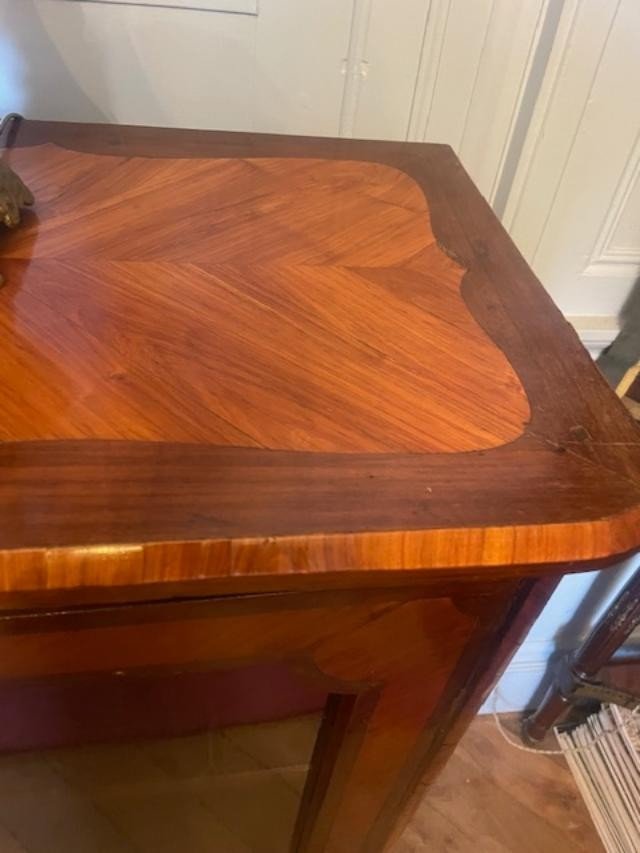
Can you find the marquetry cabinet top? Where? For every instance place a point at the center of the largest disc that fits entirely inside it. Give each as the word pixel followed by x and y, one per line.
pixel 233 356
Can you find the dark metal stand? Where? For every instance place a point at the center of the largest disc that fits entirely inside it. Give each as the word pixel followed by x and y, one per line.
pixel 7 120
pixel 576 680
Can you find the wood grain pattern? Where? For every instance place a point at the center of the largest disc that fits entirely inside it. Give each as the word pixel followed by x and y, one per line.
pixel 277 304
pixel 488 800
pixel 90 513
pixel 384 725
pixel 314 380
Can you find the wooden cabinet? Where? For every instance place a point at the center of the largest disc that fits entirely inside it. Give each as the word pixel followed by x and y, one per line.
pixel 278 399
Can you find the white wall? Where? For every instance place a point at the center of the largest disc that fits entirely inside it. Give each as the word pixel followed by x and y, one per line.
pixel 538 97
pixel 88 61
pixel 574 205
pixel 567 619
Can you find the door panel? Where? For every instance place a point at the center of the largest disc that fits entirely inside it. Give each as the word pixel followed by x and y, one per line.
pixel 574 209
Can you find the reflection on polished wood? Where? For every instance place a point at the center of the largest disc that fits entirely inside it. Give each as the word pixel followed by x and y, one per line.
pixel 236 790
pixel 267 399
pixel 380 697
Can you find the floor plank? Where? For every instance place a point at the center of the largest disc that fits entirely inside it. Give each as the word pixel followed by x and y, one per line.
pixel 496 799
pixel 236 791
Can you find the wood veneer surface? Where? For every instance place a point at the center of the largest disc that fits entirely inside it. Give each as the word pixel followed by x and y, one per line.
pixel 278 359
pixel 261 302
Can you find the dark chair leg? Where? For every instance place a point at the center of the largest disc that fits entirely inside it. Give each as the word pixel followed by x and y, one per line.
pixel 576 676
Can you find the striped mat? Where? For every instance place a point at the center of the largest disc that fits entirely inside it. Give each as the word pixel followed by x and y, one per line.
pixel 604 756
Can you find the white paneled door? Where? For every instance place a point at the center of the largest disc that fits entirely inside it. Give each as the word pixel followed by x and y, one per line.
pixel 574 207
pixel 540 98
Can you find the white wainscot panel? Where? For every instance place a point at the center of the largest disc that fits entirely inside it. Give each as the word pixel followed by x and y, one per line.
pixel 381 67
pixel 238 7
pixel 104 62
pixel 472 81
pixel 574 197
pixel 617 247
pixel 164 65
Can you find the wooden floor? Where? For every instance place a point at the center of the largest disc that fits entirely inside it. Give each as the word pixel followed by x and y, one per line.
pixel 236 791
pixel 492 798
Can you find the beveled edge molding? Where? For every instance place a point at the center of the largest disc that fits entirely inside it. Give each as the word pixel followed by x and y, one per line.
pixel 381 558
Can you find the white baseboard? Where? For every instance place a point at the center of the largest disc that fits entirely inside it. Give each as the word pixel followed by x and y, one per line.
pixel 522 679
pixel 596 333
